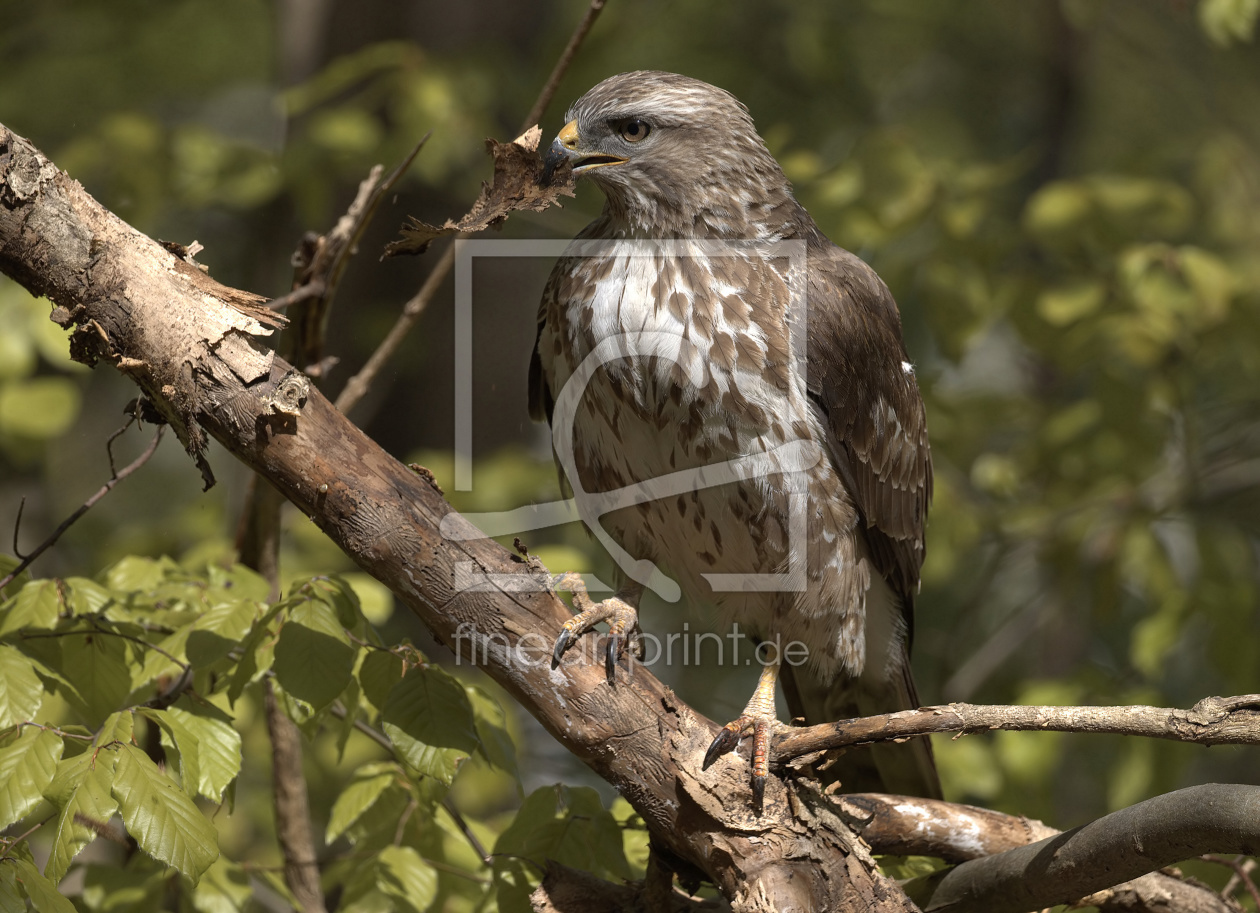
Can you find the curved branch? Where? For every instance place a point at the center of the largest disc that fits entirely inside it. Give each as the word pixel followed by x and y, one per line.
pixel 1212 721
pixel 1115 848
pixel 908 826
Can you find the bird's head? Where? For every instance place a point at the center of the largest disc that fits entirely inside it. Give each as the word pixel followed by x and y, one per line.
pixel 669 151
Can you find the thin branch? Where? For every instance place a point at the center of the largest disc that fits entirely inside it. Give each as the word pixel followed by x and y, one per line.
pixel 1212 721
pixel 8 843
pixel 1243 868
pixel 96 627
pixel 87 505
pixel 449 805
pixel 358 385
pixel 562 65
pixel 313 289
pixel 17 525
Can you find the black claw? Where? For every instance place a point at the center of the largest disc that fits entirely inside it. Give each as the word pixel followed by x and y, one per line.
pixel 759 791
pixel 610 657
pixel 725 741
pixel 562 644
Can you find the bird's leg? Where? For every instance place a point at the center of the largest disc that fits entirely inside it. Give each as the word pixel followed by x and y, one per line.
pixel 620 611
pixel 759 717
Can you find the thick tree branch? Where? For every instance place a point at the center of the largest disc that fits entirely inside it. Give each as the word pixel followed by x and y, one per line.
pixel 908 826
pixel 1212 721
pixel 199 350
pixel 1110 850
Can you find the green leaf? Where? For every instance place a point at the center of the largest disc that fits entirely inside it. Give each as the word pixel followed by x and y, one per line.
pixel 95 664
pixel 219 744
pixel 36 606
pixel 344 727
pixel 27 766
pixel 237 582
pixel 162 819
pixel 1057 210
pixel 379 672
pixel 224 889
pixel 70 773
pixel 492 733
pixel 7 565
pixel 366 787
pixel 118 727
pixel 10 894
pixel 257 653
pixel 135 574
pixel 219 630
pixel 21 691
pixel 429 719
pixel 569 825
pixel 376 602
pixel 86 597
pixel 89 801
pixel 42 408
pixel 41 891
pixel 337 593
pixel 139 885
pixel 1227 21
pixel 183 744
pixel 1065 304
pixel 159 664
pixel 314 658
pixel 403 875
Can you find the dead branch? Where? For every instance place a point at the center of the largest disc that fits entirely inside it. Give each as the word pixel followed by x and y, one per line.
pixel 910 826
pixel 562 65
pixel 199 350
pixel 360 383
pixel 1212 721
pixel 116 476
pixel 1243 867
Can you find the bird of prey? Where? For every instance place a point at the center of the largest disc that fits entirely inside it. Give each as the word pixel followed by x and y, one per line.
pixel 726 346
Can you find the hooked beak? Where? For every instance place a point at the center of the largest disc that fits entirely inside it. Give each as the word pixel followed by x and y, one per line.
pixel 564 148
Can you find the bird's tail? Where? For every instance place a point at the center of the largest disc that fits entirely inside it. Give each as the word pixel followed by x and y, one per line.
pixel 907 769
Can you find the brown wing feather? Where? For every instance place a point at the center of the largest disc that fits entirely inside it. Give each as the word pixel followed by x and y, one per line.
pixel 860 382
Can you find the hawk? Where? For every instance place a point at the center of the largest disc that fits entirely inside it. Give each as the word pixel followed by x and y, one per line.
pixel 739 331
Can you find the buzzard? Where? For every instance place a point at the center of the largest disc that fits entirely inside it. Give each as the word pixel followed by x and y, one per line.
pixel 739 331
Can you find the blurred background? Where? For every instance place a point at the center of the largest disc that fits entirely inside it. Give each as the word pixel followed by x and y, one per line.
pixel 1063 195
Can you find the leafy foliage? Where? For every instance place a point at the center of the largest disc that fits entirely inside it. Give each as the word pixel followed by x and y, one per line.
pixel 148 732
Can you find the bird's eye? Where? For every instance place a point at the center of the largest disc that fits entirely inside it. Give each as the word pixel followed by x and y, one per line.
pixel 634 131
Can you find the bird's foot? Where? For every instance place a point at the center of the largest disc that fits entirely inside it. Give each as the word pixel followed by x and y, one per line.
pixel 623 625
pixel 759 719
